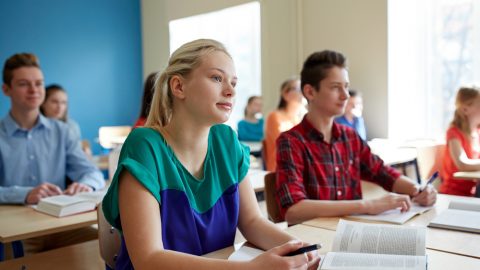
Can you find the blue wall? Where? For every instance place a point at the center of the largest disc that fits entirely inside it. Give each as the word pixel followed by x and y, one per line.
pixel 90 47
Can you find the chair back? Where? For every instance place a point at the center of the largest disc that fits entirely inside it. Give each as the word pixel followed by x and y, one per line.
pixel 264 154
pixel 109 240
pixel 272 207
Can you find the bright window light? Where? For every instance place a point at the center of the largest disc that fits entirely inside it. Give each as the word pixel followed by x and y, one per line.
pixel 433 49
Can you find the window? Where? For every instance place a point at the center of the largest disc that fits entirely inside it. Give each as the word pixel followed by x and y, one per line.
pixel 434 48
pixel 238 28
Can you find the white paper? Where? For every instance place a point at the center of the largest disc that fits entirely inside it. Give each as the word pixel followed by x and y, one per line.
pixel 357 237
pixel 360 261
pixel 395 215
pixel 245 254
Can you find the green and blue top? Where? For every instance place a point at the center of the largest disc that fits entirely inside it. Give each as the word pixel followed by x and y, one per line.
pixel 198 215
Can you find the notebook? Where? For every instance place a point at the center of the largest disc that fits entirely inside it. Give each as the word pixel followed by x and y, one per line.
pixel 461 215
pixel 395 215
pixel 66 205
pixel 376 246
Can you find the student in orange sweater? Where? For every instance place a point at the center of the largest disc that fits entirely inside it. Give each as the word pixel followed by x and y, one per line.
pixel 286 116
pixel 463 143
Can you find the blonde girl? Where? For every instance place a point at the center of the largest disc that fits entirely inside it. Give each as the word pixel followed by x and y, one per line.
pixel 181 188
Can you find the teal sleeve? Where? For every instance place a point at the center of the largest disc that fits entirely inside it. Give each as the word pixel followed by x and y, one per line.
pixel 140 160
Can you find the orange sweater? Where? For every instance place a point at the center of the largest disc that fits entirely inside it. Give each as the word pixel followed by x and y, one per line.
pixel 277 122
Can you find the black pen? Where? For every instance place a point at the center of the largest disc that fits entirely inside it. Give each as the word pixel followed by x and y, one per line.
pixel 305 249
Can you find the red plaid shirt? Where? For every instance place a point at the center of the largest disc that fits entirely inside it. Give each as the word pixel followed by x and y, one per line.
pixel 310 168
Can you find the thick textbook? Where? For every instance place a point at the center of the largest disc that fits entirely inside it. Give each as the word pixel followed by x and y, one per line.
pixel 66 205
pixel 394 215
pixel 376 246
pixel 461 215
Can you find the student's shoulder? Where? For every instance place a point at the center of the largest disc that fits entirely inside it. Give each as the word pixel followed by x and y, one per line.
pixel 294 134
pixel 142 135
pixel 274 116
pixel 454 133
pixel 222 131
pixel 54 124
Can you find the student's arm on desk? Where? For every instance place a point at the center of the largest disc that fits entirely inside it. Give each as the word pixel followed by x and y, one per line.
pixel 460 158
pixel 145 246
pixel 13 195
pixel 257 229
pixel 80 169
pixel 27 195
pixel 309 209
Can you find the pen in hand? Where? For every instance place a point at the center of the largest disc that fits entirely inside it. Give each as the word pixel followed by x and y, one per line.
pixel 304 249
pixel 430 181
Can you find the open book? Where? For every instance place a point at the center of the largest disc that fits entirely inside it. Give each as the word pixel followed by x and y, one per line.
pixel 376 246
pixel 461 215
pixel 66 205
pixel 394 215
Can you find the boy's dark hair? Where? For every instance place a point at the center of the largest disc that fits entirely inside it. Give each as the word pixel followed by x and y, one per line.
pixel 316 66
pixel 17 61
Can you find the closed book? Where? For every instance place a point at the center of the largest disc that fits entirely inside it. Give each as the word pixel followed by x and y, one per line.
pixel 461 215
pixel 66 205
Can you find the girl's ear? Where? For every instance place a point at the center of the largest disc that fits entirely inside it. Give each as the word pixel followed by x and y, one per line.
pixel 176 85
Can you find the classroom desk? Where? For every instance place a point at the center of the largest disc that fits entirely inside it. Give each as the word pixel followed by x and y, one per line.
pixel 257 179
pixel 19 222
pixel 467 175
pixel 81 256
pixel 457 242
pixel 438 260
pixel 395 156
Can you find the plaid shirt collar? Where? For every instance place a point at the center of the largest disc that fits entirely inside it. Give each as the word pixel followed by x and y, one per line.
pixel 315 135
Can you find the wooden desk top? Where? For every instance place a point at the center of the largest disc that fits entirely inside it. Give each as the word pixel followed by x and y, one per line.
pixel 392 154
pixel 19 222
pixel 257 179
pixel 467 175
pixel 76 257
pixel 451 241
pixel 437 259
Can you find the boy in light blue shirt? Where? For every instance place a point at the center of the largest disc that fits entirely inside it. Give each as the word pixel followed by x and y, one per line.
pixel 37 154
pixel 353 114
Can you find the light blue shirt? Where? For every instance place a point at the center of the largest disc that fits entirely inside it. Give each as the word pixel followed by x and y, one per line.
pixel 74 128
pixel 358 124
pixel 45 153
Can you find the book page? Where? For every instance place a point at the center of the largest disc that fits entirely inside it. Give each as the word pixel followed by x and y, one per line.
pixel 357 237
pixel 395 215
pixel 95 196
pixel 346 261
pixel 60 200
pixel 245 253
pixel 465 205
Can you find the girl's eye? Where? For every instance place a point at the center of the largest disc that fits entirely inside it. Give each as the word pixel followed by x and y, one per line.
pixel 217 78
